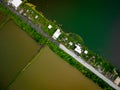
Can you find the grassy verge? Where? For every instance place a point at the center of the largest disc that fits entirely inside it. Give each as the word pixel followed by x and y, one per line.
pixel 79 66
pixel 42 40
pixel 5 21
pixel 24 26
pixel 29 30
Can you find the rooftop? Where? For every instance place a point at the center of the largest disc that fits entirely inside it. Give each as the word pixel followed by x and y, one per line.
pixel 15 3
pixel 56 34
pixel 117 81
pixel 86 52
pixel 78 49
pixel 36 16
pixel 70 43
pixel 49 26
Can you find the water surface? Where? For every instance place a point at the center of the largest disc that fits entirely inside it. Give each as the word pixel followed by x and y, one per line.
pixel 2 18
pixel 94 20
pixel 50 72
pixel 16 50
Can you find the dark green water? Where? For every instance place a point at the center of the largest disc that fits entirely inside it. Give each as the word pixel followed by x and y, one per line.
pixel 97 21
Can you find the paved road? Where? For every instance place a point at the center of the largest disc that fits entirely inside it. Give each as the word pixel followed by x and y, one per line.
pixel 79 59
pixel 37 28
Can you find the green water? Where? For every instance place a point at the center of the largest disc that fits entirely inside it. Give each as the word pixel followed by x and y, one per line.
pixel 94 20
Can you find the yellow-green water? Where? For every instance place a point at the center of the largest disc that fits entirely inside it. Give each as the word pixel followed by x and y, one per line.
pixel 16 50
pixel 50 72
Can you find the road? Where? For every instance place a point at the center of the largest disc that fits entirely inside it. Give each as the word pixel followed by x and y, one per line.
pixel 37 28
pixel 79 59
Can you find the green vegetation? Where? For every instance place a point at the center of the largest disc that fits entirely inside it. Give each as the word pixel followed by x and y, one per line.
pixel 35 35
pixel 79 66
pixel 30 11
pixel 4 17
pixel 4 21
pixel 91 58
pixel 76 38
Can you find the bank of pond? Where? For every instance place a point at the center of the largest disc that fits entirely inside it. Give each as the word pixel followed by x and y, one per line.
pixel 41 40
pixel 48 71
pixel 16 50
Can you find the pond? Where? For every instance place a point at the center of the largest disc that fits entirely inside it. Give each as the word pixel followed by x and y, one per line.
pixel 96 21
pixel 16 50
pixel 50 72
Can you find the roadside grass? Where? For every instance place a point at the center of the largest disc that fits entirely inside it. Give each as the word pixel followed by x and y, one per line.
pixel 63 55
pixel 3 21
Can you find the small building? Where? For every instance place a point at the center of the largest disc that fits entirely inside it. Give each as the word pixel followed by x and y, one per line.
pixel 78 49
pixel 86 52
pixel 49 26
pixel 99 68
pixel 27 10
pixel 56 34
pixel 29 18
pixel 21 11
pixel 15 3
pixel 70 43
pixel 117 81
pixel 36 17
pixel 24 14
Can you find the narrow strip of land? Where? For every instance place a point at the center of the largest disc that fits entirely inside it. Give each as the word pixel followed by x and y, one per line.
pixel 79 59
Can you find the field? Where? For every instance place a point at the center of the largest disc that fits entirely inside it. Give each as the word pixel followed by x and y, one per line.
pixel 2 18
pixel 50 72
pixel 16 49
